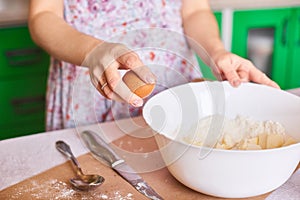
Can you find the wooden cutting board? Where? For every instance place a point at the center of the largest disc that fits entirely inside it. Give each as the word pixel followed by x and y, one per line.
pixel 54 184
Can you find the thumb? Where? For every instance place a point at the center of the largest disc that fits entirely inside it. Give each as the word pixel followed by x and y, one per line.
pixel 132 61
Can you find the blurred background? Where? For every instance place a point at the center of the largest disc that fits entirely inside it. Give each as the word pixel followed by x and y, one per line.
pixel 266 32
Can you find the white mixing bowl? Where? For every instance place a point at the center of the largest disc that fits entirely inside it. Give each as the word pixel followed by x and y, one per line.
pixel 224 173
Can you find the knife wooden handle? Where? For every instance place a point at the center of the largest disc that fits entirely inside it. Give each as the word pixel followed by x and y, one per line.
pixel 100 148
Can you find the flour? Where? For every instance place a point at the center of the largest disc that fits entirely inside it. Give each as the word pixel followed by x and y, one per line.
pixel 58 190
pixel 239 133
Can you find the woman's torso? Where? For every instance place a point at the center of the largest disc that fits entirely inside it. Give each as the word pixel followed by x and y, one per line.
pixel 152 28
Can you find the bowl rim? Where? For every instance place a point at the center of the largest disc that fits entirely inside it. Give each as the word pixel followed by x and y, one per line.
pixel 233 150
pixel 224 83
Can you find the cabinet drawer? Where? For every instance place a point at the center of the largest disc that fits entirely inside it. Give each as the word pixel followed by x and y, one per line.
pixel 22 99
pixel 22 127
pixel 19 55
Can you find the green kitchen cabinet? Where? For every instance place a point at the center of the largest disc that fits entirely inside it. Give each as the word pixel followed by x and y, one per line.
pixel 270 38
pixel 23 77
pixel 206 71
pixel 293 78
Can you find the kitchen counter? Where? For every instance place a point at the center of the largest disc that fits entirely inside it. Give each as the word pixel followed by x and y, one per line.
pixel 252 4
pixel 29 159
pixel 295 91
pixel 23 157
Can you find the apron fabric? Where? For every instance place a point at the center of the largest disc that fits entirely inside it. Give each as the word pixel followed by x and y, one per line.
pixel 152 28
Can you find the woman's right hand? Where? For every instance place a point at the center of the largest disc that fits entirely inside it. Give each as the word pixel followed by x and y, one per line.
pixel 104 61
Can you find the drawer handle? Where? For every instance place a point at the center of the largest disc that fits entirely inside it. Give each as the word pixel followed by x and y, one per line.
pixel 20 57
pixel 28 105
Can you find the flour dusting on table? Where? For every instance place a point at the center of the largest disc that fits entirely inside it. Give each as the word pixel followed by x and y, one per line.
pixel 58 190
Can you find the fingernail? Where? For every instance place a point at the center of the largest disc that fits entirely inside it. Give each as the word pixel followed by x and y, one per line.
pixel 150 79
pixel 137 103
pixel 236 82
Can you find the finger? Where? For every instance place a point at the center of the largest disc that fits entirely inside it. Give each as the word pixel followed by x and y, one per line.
pixel 100 87
pixel 145 74
pixel 108 93
pixel 98 80
pixel 244 75
pixel 119 88
pixel 105 90
pixel 132 61
pixel 259 77
pixel 230 74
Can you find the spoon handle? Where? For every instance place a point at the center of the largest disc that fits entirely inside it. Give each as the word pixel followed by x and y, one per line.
pixel 65 149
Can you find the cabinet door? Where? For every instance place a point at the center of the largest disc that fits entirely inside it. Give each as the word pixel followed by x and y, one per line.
pixel 262 37
pixel 23 75
pixel 294 62
pixel 19 55
pixel 22 105
pixel 206 71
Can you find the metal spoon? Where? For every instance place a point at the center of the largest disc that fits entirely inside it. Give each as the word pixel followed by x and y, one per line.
pixel 81 182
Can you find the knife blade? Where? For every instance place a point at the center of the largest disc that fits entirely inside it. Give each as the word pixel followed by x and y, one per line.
pixel 102 150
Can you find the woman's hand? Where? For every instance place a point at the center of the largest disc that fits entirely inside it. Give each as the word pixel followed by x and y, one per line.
pixel 236 70
pixel 104 61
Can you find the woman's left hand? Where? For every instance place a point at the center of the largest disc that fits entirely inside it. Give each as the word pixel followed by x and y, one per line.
pixel 235 69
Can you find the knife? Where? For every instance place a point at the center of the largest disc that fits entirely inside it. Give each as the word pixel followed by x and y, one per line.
pixel 102 150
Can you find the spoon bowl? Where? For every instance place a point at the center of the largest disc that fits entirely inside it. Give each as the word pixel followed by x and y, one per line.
pixel 83 182
pixel 93 182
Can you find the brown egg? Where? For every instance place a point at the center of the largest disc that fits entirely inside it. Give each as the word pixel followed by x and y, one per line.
pixel 136 85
